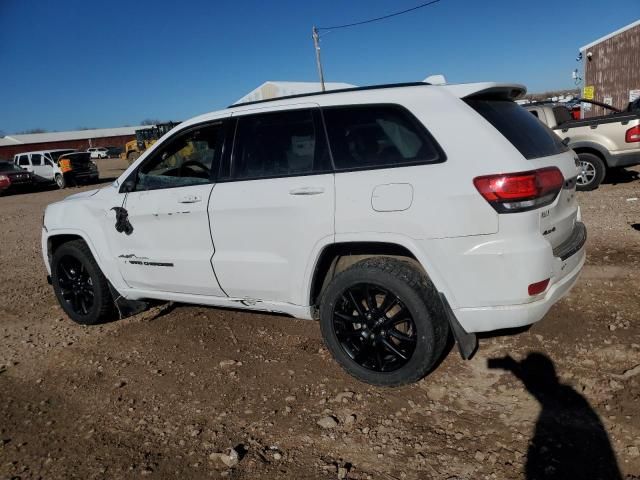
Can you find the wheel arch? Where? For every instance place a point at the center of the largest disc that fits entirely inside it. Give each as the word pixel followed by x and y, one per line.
pixel 59 237
pixel 593 149
pixel 336 257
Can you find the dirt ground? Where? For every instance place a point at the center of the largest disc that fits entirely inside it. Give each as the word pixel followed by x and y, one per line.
pixel 162 393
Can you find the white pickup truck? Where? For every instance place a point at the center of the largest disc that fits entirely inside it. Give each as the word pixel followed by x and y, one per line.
pixel 602 143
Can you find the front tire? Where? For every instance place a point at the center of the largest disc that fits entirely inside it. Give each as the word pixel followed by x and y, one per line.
pixel 383 322
pixel 60 182
pixel 79 285
pixel 592 172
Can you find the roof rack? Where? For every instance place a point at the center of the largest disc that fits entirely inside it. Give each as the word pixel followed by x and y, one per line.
pixel 339 90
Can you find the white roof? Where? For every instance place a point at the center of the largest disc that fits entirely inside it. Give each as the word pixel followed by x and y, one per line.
pixel 612 34
pixel 273 89
pixel 28 138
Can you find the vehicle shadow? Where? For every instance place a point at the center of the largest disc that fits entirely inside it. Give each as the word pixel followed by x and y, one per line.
pixel 569 440
pixel 616 176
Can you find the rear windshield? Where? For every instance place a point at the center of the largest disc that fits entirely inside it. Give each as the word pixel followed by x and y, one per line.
pixel 58 154
pixel 530 136
pixel 9 167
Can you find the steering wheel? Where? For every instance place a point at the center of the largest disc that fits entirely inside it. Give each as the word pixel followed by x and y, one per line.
pixel 195 163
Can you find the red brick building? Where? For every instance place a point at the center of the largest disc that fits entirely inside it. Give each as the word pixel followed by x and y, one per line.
pixel 80 139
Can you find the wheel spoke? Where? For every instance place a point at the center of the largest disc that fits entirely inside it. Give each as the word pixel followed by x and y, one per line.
pixel 355 303
pixel 372 302
pixel 393 349
pixel 389 302
pixel 401 336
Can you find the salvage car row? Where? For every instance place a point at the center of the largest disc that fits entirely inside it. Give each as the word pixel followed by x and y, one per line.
pixel 63 167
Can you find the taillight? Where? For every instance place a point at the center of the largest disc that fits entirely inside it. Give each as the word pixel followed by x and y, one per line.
pixel 4 181
pixel 633 134
pixel 522 191
pixel 538 287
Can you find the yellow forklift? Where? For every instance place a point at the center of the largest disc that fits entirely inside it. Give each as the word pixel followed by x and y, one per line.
pixel 145 137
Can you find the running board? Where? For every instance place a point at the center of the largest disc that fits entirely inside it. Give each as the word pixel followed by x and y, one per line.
pixel 467 342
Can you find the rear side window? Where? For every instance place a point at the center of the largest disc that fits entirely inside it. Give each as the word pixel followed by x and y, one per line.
pixel 36 159
pixel 375 136
pixel 23 160
pixel 278 144
pixel 532 138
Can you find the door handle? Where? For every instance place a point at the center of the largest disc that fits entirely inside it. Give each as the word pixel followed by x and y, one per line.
pixel 190 199
pixel 306 191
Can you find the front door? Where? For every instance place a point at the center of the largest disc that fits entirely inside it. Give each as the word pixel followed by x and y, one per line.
pixel 273 207
pixel 168 247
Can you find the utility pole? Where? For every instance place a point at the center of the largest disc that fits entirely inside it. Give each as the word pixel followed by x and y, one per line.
pixel 316 44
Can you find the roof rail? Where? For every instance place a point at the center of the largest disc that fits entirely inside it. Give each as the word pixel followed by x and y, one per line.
pixel 339 90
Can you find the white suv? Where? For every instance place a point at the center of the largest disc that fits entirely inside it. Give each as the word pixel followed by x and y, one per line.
pixel 98 152
pixel 394 214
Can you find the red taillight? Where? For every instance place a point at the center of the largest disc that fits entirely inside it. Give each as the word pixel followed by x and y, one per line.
pixel 633 134
pixel 518 192
pixel 4 181
pixel 538 287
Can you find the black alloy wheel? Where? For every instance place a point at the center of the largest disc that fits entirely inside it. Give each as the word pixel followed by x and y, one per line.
pixel 374 327
pixel 76 285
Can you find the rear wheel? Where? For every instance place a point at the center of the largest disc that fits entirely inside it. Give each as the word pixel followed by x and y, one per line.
pixel 79 285
pixel 592 172
pixel 60 181
pixel 383 322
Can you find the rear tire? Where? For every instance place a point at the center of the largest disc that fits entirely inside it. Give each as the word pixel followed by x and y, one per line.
pixel 60 182
pixel 593 170
pixel 377 344
pixel 79 285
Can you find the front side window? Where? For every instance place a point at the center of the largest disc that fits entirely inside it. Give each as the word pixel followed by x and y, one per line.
pixel 36 159
pixel 188 159
pixel 278 144
pixel 374 136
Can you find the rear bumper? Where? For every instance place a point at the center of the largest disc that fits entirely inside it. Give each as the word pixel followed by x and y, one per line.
pixel 486 319
pixel 626 159
pixel 568 260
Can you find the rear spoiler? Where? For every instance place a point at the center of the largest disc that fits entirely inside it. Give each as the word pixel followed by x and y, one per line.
pixel 494 90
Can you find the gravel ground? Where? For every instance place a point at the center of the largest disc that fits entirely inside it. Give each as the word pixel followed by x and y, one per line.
pixel 192 392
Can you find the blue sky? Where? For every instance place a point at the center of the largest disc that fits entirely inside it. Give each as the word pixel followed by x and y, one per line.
pixel 82 63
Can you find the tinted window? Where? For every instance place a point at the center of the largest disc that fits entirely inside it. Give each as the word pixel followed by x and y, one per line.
pixel 377 136
pixel 532 138
pixel 23 160
pixel 534 113
pixel 9 167
pixel 562 115
pixel 36 159
pixel 188 159
pixel 278 144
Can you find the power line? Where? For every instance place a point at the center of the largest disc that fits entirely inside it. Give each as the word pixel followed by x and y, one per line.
pixel 380 18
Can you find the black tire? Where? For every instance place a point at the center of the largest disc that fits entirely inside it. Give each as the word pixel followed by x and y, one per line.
pixel 60 181
pixel 74 271
pixel 350 340
pixel 593 170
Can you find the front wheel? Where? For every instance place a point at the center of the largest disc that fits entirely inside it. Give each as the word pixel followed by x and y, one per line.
pixel 79 285
pixel 383 322
pixel 60 181
pixel 592 172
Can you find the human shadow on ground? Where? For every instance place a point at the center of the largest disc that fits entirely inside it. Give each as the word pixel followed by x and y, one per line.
pixel 570 441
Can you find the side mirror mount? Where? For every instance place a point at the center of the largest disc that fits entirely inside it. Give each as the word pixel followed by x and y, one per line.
pixel 129 185
pixel 566 141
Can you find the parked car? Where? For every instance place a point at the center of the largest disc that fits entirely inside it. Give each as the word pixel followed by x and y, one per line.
pixel 388 229
pixel 13 177
pixel 46 167
pixel 602 142
pixel 113 152
pixel 98 152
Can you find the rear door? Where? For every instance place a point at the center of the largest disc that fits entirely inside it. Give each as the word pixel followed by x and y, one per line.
pixel 273 207
pixel 541 147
